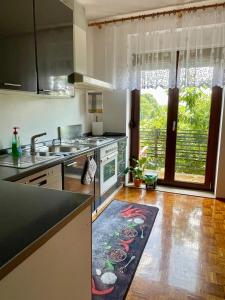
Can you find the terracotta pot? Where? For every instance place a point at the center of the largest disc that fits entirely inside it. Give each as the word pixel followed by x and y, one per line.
pixel 137 182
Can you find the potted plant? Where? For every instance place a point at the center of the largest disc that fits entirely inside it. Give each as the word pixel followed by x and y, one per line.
pixel 138 170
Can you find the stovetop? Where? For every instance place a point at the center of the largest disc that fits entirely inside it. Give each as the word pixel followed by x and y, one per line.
pixel 95 140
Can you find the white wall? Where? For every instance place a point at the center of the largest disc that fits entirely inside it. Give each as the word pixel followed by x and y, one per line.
pixel 35 114
pixel 115 102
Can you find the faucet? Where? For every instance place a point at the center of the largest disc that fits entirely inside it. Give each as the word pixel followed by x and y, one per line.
pixel 33 138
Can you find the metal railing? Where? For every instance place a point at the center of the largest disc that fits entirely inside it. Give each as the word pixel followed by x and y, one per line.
pixel 191 149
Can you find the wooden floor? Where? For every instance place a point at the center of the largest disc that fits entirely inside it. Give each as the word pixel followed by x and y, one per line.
pixel 185 254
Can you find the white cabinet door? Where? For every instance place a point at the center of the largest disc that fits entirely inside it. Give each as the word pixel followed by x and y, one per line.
pixel 58 270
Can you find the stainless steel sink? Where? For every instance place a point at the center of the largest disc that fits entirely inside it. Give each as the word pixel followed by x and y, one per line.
pixel 60 149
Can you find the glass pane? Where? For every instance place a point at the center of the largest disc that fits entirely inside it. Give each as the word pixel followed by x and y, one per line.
pixel 109 170
pixel 153 124
pixel 192 134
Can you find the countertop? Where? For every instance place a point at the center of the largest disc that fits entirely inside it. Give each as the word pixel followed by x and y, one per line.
pixel 27 215
pixel 30 215
pixel 13 174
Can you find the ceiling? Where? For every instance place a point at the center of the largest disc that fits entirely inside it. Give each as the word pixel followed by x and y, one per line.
pixel 97 9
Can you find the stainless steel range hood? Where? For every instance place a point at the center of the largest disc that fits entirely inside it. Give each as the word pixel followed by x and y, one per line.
pixel 85 82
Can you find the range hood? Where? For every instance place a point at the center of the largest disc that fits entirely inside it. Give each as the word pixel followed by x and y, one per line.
pixel 85 82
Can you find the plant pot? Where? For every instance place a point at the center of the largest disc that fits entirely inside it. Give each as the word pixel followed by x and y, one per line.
pixel 137 182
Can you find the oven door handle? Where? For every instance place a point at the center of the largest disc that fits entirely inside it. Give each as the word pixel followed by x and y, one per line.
pixel 72 164
pixel 108 157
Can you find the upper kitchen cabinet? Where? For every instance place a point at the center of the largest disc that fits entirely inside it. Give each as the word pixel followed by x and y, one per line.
pixel 17 46
pixel 54 36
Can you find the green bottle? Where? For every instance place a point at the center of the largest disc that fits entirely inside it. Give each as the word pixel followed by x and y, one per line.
pixel 16 148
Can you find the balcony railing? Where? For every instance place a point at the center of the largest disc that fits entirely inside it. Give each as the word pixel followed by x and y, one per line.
pixel 191 149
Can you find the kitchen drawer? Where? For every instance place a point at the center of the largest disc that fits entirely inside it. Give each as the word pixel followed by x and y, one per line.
pixel 49 178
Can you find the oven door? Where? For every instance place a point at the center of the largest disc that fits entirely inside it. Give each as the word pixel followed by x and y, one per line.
pixel 108 172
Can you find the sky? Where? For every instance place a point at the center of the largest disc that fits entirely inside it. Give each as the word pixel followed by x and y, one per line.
pixel 160 94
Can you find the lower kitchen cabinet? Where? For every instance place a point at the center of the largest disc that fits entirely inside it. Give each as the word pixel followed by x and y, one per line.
pixel 59 269
pixel 50 178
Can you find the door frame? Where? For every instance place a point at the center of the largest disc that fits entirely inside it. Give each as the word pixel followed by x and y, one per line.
pixel 170 159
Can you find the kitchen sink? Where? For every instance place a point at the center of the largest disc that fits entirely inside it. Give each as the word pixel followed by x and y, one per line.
pixel 60 149
pixel 43 154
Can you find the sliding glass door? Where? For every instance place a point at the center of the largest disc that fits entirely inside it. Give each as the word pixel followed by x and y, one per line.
pixel 153 126
pixel 178 130
pixel 192 132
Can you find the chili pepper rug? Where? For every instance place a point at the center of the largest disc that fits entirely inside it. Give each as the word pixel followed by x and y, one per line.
pixel 120 234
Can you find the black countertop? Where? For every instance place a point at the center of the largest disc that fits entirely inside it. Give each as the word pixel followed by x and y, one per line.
pixel 27 213
pixel 13 174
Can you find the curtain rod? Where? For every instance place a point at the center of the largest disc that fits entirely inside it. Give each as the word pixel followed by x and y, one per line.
pixel 157 14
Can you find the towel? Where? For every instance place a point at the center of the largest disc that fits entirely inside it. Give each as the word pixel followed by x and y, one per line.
pixel 89 171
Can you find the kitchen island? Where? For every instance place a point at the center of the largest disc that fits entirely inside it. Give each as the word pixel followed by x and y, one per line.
pixel 45 243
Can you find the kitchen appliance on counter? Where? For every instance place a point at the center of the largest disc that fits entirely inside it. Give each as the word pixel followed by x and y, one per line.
pixel 97 128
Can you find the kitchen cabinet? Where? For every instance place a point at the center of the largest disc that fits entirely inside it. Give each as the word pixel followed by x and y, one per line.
pixel 54 36
pixel 36 46
pixel 49 178
pixel 59 269
pixel 17 46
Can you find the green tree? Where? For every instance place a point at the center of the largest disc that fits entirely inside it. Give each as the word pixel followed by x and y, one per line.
pixel 193 121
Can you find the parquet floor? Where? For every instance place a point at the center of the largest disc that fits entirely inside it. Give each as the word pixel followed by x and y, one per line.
pixel 185 254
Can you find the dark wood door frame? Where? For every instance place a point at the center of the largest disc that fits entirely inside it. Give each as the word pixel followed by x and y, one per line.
pixel 171 136
pixel 213 138
pixel 215 113
pixel 134 125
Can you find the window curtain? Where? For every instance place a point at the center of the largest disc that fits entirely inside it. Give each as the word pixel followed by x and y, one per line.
pixel 143 53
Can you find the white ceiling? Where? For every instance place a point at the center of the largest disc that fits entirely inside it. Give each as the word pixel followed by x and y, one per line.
pixel 97 9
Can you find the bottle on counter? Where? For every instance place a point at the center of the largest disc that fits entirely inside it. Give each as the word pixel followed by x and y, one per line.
pixel 16 146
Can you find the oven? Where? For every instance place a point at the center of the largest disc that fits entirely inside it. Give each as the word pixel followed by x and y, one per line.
pixel 73 171
pixel 108 167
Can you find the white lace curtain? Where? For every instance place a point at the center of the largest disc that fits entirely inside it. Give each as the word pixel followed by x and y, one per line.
pixel 143 53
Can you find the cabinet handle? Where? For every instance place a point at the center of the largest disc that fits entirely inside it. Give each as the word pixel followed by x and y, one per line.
pixel 38 177
pixel 45 91
pixel 174 126
pixel 12 84
pixel 72 164
pixel 44 182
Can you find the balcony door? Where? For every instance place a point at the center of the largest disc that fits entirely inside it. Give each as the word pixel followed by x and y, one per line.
pixel 178 130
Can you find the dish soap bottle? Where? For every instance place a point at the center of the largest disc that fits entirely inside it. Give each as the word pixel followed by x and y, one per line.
pixel 16 147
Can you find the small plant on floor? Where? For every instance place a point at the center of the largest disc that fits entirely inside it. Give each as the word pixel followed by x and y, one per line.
pixel 138 170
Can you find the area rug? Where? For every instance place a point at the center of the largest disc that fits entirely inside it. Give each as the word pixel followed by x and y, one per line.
pixel 120 234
